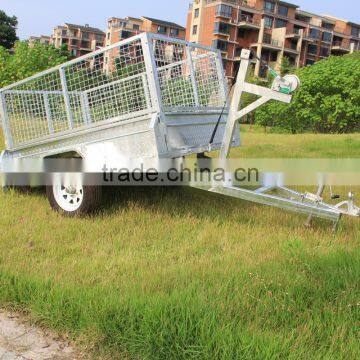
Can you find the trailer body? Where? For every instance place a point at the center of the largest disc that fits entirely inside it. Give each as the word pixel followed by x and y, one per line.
pixel 143 99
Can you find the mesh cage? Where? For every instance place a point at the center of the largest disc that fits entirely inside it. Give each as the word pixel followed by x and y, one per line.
pixel 189 76
pixel 112 85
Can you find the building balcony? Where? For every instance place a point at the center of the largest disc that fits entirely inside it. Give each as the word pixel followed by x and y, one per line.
pixel 269 42
pixel 244 5
pixel 222 31
pixel 246 22
pixel 294 33
pixel 223 14
pixel 341 46
pixel 268 11
pixel 310 38
pixel 291 50
pixel 69 37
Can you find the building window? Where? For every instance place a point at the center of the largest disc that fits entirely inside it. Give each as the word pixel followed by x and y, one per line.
pixel 269 6
pixel 267 39
pixel 324 51
pixel 241 33
pixel 85 45
pixel 85 35
pixel 355 32
pixel 126 34
pixel 162 29
pixel 224 10
pixel 174 32
pixel 224 61
pixel 222 28
pixel 195 27
pixel 268 22
pixel 220 44
pixel 327 26
pixel 108 36
pixel 327 37
pixel 312 49
pixel 279 23
pixel 196 13
pixel 293 45
pixel 64 32
pixel 283 10
pixel 263 72
pixel 273 56
pixel 136 27
pixel 314 33
pixel 238 51
pixel 73 52
pixel 310 62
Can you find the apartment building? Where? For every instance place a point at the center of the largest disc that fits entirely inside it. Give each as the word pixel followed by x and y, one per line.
pixel 272 29
pixel 43 39
pixel 123 28
pixel 80 40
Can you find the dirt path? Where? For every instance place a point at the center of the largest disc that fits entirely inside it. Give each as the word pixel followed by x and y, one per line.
pixel 24 342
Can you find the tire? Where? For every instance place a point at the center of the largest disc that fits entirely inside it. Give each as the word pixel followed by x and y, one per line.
pixel 78 201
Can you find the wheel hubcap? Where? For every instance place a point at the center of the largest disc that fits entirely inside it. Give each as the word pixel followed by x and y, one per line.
pixel 69 198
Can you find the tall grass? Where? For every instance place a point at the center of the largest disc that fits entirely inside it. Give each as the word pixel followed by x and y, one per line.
pixel 181 274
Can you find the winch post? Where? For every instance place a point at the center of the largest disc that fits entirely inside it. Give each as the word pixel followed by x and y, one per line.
pixel 242 86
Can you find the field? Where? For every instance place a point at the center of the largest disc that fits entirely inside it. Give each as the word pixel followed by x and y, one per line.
pixel 183 274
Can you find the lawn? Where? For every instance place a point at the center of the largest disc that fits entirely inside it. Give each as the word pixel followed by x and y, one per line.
pixel 183 274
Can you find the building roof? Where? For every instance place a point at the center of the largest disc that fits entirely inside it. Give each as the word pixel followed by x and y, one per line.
pixel 354 24
pixel 39 37
pixel 333 18
pixel 164 23
pixel 126 18
pixel 288 4
pixel 85 28
pixel 343 20
pixel 308 14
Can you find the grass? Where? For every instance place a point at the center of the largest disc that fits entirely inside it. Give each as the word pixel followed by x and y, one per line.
pixel 183 274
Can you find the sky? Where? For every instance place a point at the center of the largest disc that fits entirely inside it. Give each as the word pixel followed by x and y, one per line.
pixel 39 17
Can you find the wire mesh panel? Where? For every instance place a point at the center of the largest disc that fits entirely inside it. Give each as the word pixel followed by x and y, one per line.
pixel 189 76
pixel 109 85
pixel 36 108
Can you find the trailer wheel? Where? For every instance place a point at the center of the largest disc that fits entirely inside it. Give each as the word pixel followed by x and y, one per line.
pixel 74 200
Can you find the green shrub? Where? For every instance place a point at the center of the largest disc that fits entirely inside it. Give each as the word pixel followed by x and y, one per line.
pixel 328 100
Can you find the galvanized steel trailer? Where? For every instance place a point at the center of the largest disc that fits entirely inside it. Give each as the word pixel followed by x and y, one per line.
pixel 144 100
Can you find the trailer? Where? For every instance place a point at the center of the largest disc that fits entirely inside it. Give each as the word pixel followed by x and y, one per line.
pixel 147 100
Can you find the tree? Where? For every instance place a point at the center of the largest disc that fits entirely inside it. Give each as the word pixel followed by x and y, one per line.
pixel 286 67
pixel 8 26
pixel 27 61
pixel 328 100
